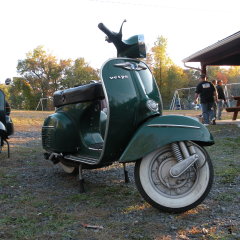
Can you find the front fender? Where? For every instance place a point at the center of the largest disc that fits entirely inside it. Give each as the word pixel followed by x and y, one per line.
pixel 162 130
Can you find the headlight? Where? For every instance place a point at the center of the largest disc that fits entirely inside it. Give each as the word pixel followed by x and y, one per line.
pixel 152 105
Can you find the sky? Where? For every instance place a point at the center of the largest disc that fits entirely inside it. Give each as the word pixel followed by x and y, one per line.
pixel 68 28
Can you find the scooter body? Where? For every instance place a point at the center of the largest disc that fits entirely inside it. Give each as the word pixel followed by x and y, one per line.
pixel 127 128
pixel 6 124
pixel 120 119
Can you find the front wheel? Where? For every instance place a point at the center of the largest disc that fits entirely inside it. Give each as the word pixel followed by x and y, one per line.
pixel 173 194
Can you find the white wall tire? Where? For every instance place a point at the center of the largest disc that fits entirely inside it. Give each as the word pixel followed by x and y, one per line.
pixel 170 194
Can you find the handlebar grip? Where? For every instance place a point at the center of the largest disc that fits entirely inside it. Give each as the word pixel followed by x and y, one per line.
pixel 103 28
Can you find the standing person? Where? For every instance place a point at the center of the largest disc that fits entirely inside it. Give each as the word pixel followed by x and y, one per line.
pixel 214 82
pixel 221 99
pixel 208 95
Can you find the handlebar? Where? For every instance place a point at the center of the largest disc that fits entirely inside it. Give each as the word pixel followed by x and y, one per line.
pixel 133 47
pixel 113 37
pixel 103 28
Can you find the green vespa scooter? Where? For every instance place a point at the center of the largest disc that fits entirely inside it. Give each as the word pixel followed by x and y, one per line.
pixel 120 119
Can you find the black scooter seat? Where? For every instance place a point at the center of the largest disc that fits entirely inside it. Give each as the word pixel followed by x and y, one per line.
pixel 83 93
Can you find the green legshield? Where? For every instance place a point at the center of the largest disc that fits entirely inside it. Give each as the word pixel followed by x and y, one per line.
pixel 163 130
pixel 128 86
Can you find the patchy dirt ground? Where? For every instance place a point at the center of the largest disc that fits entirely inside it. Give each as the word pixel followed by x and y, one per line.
pixel 39 201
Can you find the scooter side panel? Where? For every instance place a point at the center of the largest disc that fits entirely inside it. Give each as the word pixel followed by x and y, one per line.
pixel 2 107
pixel 73 130
pixel 163 130
pixel 59 134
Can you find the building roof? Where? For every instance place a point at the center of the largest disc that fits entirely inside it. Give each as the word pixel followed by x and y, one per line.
pixel 224 52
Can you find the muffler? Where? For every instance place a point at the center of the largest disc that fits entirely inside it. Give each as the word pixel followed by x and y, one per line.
pixel 54 157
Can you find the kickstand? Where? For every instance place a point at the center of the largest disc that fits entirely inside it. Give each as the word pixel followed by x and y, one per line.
pixel 81 180
pixel 8 148
pixel 125 173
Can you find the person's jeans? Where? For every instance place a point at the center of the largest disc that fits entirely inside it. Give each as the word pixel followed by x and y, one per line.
pixel 219 109
pixel 207 112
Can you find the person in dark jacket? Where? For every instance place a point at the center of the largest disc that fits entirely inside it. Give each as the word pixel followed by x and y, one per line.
pixel 221 99
pixel 208 95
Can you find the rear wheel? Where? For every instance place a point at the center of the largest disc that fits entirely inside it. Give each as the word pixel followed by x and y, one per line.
pixel 1 144
pixel 173 194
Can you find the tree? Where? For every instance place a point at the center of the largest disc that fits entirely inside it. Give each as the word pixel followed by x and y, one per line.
pixel 149 61
pixel 42 71
pixel 192 77
pixel 5 89
pixel 222 76
pixel 43 74
pixel 176 78
pixel 234 74
pixel 169 76
pixel 21 95
pixel 161 61
pixel 79 73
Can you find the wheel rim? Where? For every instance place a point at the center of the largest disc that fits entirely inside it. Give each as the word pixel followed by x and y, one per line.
pixel 162 181
pixel 170 192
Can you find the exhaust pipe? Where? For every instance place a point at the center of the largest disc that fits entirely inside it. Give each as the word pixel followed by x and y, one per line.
pixel 54 157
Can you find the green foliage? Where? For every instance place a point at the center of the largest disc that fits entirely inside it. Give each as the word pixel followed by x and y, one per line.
pixel 169 76
pixel 233 74
pixel 22 95
pixel 42 74
pixel 192 77
pixel 42 71
pixel 161 62
pixel 5 89
pixel 79 73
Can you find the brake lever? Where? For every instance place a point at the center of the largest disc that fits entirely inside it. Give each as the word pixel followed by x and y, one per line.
pixel 107 39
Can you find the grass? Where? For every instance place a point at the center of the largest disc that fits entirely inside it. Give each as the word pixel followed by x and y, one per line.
pixel 7 179
pixel 31 225
pixel 225 153
pixel 39 201
pixel 229 174
pixel 29 120
pixel 226 197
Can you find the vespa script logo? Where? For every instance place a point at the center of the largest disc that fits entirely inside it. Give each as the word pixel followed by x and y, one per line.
pixel 119 77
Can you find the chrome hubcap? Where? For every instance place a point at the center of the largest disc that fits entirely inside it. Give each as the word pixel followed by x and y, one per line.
pixel 162 180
